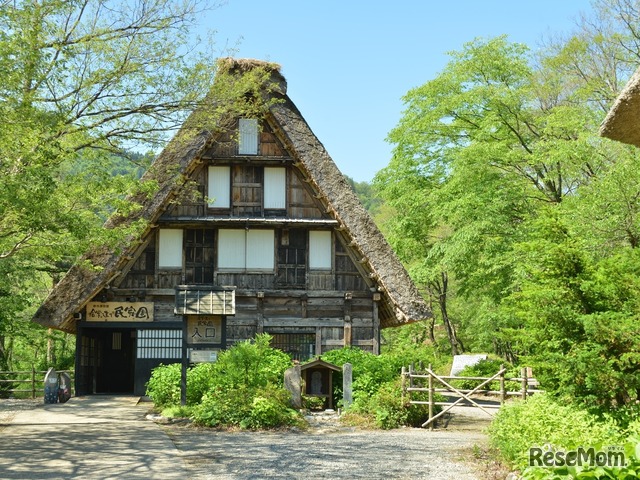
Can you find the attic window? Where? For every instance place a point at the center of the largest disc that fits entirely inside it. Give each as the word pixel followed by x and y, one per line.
pixel 248 136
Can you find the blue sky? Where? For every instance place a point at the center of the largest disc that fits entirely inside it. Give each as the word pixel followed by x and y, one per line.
pixel 348 63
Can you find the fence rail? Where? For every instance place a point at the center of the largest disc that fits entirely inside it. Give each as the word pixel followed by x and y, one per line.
pixel 34 378
pixel 414 382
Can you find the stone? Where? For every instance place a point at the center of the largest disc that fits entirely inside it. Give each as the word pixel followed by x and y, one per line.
pixel 347 389
pixel 293 383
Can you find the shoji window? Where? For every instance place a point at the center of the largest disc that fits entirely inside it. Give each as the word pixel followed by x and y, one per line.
pixel 260 249
pixel 248 136
pixel 320 252
pixel 246 249
pixel 231 249
pixel 275 187
pixel 219 191
pixel 170 246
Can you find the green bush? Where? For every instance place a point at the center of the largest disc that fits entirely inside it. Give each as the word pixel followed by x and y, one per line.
pixel 542 421
pixel 244 407
pixel 164 385
pixel 241 389
pixel 385 408
pixel 371 372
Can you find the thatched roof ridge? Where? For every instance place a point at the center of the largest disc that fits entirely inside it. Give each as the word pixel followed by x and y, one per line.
pixel 622 123
pixel 178 159
pixel 408 304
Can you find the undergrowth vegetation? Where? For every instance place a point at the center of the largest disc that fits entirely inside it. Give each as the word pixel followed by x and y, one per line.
pixel 550 425
pixel 244 388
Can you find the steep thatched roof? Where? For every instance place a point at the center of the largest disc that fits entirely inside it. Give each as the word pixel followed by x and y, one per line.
pixel 622 123
pixel 401 302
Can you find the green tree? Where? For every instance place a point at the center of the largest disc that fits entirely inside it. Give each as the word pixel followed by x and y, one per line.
pixel 83 82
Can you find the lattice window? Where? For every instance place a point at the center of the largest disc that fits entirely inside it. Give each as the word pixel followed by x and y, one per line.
pixel 301 346
pixel 159 344
pixel 199 256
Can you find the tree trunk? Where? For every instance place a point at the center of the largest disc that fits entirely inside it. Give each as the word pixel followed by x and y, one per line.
pixel 439 289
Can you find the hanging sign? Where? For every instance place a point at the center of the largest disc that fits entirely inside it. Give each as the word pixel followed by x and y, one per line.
pixel 120 312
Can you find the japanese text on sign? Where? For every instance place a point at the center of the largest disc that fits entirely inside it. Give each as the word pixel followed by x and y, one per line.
pixel 204 329
pixel 120 312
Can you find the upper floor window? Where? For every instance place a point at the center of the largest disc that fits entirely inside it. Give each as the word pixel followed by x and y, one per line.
pixel 246 249
pixel 219 191
pixel 170 248
pixel 248 136
pixel 320 252
pixel 275 187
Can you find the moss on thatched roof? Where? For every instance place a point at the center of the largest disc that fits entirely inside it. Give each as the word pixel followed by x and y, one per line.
pixel 400 300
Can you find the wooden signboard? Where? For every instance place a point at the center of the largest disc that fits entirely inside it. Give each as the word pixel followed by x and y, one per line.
pixel 204 329
pixel 120 312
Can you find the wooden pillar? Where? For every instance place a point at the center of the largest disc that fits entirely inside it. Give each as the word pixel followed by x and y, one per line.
pixel 376 324
pixel 185 363
pixel 260 319
pixel 347 319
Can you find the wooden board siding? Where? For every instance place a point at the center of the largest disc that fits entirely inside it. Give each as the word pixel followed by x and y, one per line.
pixel 301 201
pixel 192 201
pixel 246 190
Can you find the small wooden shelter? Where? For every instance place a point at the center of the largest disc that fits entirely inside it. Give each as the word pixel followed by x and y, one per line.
pixel 251 228
pixel 318 380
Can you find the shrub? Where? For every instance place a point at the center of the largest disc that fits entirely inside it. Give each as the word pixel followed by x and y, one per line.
pixel 542 421
pixel 255 408
pixel 385 408
pixel 251 364
pixel 370 371
pixel 164 385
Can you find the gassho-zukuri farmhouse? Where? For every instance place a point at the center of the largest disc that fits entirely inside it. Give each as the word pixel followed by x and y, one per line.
pixel 269 238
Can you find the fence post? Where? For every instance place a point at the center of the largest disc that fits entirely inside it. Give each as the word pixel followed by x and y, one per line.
pixel 503 391
pixel 403 379
pixel 33 381
pixel 430 398
pixel 411 372
pixel 525 382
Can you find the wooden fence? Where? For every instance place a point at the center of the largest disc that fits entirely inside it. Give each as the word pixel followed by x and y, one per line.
pixel 27 383
pixel 414 382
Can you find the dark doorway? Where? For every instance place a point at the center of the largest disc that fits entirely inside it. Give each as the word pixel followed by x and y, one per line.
pixel 115 375
pixel 105 360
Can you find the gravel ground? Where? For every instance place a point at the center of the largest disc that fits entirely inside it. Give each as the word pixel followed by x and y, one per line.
pixel 327 450
pixel 9 407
